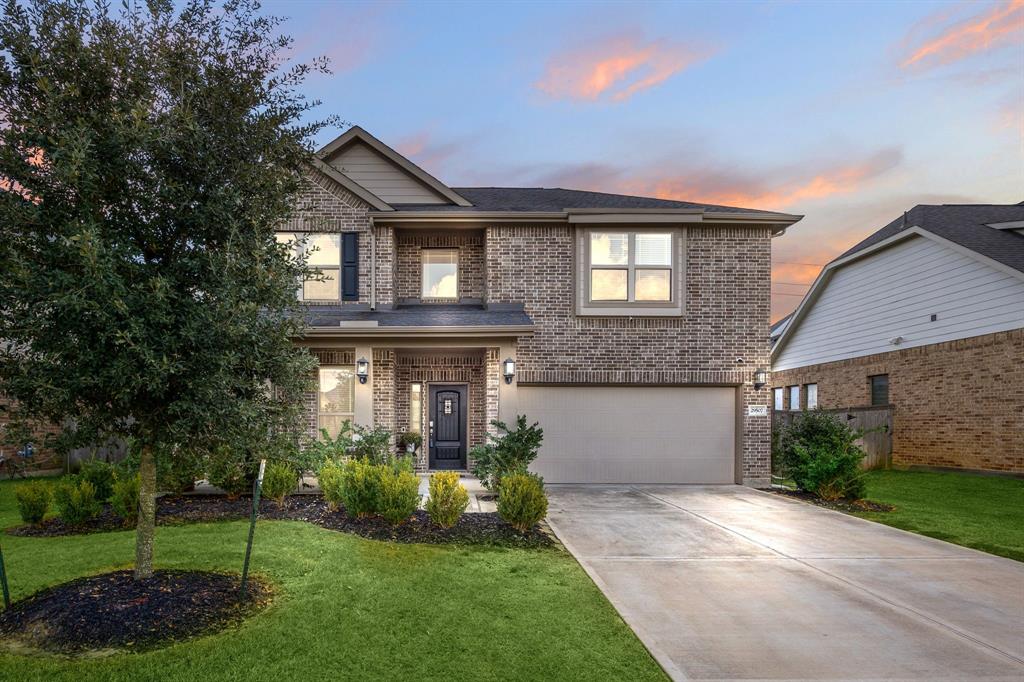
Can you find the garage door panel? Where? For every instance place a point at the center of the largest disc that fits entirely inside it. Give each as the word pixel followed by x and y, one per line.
pixel 633 434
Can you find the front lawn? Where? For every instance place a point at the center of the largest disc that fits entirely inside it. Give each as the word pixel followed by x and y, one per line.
pixel 349 608
pixel 983 512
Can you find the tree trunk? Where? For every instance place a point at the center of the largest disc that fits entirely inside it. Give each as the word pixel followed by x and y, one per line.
pixel 146 526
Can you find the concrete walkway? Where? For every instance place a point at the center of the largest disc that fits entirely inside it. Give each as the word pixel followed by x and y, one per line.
pixel 726 582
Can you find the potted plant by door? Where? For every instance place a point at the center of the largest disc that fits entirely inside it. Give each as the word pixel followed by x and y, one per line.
pixel 410 442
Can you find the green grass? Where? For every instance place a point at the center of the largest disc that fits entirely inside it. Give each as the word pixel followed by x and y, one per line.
pixel 983 512
pixel 350 609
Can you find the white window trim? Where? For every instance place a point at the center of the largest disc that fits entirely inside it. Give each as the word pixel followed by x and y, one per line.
pixel 672 308
pixel 319 413
pixel 299 245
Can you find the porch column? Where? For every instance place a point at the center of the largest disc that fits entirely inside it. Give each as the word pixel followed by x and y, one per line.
pixel 508 398
pixel 363 413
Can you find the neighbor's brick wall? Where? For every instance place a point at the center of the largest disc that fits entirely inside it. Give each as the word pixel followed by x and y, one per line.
pixel 43 457
pixel 955 404
pixel 408 262
pixel 727 308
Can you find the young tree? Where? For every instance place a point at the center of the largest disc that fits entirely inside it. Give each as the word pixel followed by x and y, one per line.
pixel 146 158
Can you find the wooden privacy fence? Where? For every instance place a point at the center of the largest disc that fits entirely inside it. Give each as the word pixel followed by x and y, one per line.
pixel 875 421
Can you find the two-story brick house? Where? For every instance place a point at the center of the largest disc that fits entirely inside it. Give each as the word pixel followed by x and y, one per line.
pixel 631 328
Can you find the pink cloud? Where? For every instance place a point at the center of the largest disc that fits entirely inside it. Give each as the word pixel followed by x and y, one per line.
pixel 1001 25
pixel 615 67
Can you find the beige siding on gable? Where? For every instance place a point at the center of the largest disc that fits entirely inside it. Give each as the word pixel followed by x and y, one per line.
pixel 894 293
pixel 382 177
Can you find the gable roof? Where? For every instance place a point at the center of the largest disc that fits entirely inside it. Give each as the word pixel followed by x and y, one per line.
pixel 355 133
pixel 966 227
pixel 969 225
pixel 350 184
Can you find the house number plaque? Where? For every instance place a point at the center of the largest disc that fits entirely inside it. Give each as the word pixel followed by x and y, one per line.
pixel 448 406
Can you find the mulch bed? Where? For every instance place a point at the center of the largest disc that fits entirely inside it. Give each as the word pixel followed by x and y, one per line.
pixel 846 506
pixel 114 612
pixel 471 529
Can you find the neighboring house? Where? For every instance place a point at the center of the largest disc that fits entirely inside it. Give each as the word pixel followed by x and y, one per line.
pixel 631 328
pixel 926 315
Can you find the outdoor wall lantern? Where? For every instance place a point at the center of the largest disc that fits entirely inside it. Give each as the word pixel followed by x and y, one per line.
pixel 362 369
pixel 509 370
pixel 760 378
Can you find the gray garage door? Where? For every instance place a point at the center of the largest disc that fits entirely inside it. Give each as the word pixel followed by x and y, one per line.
pixel 633 435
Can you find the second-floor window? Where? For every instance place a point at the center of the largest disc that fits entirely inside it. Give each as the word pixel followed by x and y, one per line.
pixel 440 273
pixel 630 272
pixel 323 253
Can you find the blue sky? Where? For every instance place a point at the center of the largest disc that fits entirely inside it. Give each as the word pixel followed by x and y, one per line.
pixel 846 112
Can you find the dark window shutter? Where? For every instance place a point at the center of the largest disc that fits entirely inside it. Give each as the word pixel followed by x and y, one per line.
pixel 350 266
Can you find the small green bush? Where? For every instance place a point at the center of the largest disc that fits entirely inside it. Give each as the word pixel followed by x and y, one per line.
pixel 33 500
pixel 125 500
pixel 76 501
pixel 101 475
pixel 230 471
pixel 279 480
pixel 331 479
pixel 818 451
pixel 399 495
pixel 447 499
pixel 360 487
pixel 521 500
pixel 511 451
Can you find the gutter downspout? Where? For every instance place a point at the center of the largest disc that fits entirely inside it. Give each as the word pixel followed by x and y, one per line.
pixel 373 265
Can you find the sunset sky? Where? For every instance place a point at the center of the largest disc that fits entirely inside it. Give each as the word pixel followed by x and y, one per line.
pixel 848 113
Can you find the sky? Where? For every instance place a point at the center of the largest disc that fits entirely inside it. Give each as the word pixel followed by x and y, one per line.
pixel 848 113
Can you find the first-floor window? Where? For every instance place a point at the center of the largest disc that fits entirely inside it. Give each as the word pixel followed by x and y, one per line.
pixel 415 407
pixel 778 398
pixel 336 400
pixel 811 391
pixel 794 397
pixel 879 389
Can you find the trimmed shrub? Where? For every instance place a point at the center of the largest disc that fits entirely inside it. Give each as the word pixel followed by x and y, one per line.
pixel 521 500
pixel 125 500
pixel 818 451
pixel 76 501
pixel 331 479
pixel 447 499
pixel 399 495
pixel 279 480
pixel 360 487
pixel 33 500
pixel 511 451
pixel 230 471
pixel 101 475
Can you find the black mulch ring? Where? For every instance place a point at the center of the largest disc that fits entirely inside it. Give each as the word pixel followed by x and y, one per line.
pixel 471 529
pixel 115 612
pixel 847 506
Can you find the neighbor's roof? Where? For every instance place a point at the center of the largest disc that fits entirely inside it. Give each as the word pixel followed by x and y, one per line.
pixel 558 199
pixel 432 315
pixel 968 225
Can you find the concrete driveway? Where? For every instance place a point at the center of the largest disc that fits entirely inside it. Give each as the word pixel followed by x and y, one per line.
pixel 726 582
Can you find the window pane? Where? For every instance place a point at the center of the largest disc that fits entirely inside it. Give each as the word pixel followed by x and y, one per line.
pixel 337 389
pixel 415 407
pixel 777 392
pixel 794 397
pixel 328 289
pixel 440 273
pixel 609 248
pixel 812 396
pixel 608 285
pixel 880 389
pixel 653 249
pixel 653 285
pixel 333 424
pixel 324 249
pixel 285 237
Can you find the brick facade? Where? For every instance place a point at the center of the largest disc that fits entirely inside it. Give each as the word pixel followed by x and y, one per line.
pixel 43 457
pixel 408 260
pixel 955 404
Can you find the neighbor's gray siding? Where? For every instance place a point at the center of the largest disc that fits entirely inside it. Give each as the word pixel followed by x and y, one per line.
pixel 382 177
pixel 894 293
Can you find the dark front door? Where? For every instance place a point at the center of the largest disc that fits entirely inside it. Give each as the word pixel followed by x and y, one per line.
pixel 447 427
